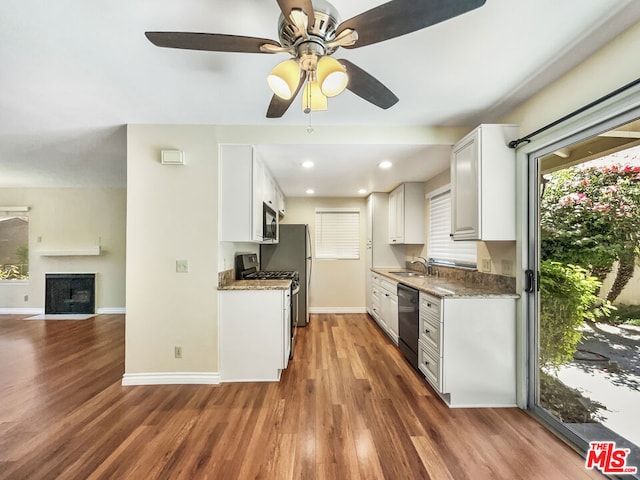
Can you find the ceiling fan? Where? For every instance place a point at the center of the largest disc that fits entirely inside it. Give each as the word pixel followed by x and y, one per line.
pixel 311 32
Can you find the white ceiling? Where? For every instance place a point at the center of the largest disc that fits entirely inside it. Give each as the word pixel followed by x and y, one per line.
pixel 74 72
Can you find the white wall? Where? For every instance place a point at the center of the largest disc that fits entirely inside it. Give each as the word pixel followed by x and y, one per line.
pixel 610 68
pixel 629 294
pixel 336 285
pixel 171 215
pixel 67 219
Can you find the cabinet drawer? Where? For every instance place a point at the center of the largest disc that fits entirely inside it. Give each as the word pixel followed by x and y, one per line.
pixel 429 306
pixel 430 333
pixel 430 365
pixel 390 286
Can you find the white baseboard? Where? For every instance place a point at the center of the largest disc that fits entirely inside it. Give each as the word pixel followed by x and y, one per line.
pixel 171 378
pixel 111 311
pixel 40 311
pixel 21 311
pixel 337 310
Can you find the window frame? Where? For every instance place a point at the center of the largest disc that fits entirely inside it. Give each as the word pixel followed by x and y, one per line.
pixel 337 252
pixel 17 211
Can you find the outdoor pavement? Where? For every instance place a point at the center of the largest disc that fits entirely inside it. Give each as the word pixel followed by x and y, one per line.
pixel 610 375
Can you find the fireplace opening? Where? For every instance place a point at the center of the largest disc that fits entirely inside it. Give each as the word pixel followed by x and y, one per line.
pixel 70 293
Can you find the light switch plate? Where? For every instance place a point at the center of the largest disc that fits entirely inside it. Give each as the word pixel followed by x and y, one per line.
pixel 507 267
pixel 182 266
pixel 486 265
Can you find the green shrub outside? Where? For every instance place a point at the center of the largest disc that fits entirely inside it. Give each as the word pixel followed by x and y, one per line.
pixel 569 298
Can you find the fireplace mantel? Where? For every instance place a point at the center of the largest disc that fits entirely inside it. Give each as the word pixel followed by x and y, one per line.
pixel 72 252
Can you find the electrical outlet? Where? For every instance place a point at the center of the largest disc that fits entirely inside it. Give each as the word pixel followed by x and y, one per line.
pixel 177 351
pixel 26 298
pixel 486 265
pixel 182 266
pixel 507 267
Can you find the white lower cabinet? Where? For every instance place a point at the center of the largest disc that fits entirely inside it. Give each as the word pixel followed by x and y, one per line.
pixel 466 349
pixel 376 312
pixel 384 305
pixel 254 334
pixel 389 306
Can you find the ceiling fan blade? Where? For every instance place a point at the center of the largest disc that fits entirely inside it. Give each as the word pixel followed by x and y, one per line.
pixel 399 17
pixel 305 5
pixel 368 87
pixel 213 42
pixel 279 106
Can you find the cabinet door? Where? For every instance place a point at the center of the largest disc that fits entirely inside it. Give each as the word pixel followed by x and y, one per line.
pixel 392 320
pixel 258 199
pixel 465 183
pixel 286 351
pixel 370 219
pixel 237 209
pixel 280 201
pixel 396 215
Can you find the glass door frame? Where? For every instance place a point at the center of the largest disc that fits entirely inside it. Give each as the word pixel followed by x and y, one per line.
pixel 621 109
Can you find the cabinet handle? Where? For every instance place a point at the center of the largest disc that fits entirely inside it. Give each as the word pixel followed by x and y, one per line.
pixel 386 294
pixel 429 305
pixel 426 363
pixel 451 235
pixel 427 331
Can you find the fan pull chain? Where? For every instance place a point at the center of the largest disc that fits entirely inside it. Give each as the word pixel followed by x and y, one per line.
pixel 309 127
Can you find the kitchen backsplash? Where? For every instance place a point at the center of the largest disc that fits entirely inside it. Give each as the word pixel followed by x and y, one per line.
pixel 225 277
pixel 469 276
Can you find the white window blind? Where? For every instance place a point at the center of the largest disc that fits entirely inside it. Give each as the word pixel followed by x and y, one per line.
pixel 441 247
pixel 337 233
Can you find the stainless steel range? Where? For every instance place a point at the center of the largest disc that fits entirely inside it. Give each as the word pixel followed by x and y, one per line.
pixel 247 269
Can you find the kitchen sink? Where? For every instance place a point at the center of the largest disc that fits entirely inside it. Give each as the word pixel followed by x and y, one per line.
pixel 409 274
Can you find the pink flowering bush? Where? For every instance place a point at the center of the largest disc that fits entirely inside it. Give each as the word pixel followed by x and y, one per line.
pixel 590 216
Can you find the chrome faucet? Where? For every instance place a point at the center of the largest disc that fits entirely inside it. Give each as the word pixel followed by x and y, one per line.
pixel 425 263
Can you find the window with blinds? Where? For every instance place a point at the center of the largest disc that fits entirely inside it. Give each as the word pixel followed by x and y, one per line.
pixel 441 247
pixel 337 233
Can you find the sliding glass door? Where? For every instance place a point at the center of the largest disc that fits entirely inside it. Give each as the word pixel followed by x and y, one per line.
pixel 584 285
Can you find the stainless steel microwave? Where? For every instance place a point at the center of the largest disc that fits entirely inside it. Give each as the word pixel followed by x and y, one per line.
pixel 269 223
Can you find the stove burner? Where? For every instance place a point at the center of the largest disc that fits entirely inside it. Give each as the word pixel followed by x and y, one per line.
pixel 276 275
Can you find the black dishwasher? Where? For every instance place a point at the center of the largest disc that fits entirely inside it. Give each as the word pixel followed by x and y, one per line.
pixel 408 323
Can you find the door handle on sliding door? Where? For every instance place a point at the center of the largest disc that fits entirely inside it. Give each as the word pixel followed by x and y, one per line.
pixel 532 281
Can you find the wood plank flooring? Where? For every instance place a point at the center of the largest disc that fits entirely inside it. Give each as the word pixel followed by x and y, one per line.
pixel 348 407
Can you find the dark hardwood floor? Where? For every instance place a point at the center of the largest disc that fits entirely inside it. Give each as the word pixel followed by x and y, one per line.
pixel 348 407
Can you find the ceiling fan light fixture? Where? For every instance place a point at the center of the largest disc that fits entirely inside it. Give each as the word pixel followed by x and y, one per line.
pixel 284 78
pixel 332 76
pixel 313 100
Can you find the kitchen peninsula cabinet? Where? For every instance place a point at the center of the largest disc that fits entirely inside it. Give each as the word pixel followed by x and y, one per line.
pixel 254 333
pixel 466 349
pixel 245 186
pixel 483 177
pixel 406 214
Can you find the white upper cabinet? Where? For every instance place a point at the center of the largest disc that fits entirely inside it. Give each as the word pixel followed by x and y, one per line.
pixel 245 186
pixel 483 177
pixel 280 202
pixel 406 214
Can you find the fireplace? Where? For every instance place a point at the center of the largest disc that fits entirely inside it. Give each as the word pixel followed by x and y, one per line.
pixel 70 293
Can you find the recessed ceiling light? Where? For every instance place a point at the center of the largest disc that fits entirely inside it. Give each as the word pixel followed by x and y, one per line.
pixel 386 164
pixel 362 190
pixel 310 191
pixel 308 164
